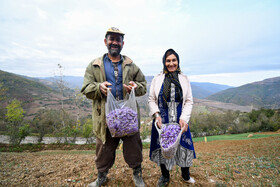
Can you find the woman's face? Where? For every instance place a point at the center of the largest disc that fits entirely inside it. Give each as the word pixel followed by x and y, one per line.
pixel 171 63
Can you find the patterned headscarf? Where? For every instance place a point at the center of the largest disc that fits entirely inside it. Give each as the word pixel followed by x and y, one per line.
pixel 171 77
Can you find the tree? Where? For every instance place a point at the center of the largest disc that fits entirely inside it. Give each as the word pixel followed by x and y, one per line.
pixel 2 92
pixel 88 130
pixel 2 107
pixel 45 122
pixel 61 84
pixel 16 129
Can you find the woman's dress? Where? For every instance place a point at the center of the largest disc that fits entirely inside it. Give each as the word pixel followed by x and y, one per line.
pixel 171 114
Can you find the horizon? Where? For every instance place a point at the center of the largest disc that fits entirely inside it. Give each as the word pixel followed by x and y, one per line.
pixel 223 42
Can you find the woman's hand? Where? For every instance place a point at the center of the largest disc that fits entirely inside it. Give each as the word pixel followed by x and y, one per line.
pixel 183 125
pixel 158 120
pixel 129 87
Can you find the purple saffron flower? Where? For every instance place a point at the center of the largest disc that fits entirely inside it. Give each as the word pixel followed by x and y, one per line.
pixel 122 122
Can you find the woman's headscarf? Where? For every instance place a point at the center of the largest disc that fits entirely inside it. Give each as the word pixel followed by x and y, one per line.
pixel 171 77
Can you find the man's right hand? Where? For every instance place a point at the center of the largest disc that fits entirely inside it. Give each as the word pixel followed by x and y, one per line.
pixel 104 86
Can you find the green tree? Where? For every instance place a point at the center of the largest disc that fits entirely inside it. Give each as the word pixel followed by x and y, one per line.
pixel 14 116
pixel 88 130
pixel 2 92
pixel 45 122
pixel 2 107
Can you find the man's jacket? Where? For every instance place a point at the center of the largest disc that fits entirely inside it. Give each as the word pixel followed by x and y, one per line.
pixel 94 76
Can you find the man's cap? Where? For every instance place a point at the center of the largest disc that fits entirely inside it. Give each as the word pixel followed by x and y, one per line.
pixel 114 30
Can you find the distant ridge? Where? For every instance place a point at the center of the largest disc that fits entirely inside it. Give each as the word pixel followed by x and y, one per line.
pixel 200 90
pixel 264 93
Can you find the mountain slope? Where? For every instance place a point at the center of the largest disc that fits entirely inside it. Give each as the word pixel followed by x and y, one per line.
pixel 202 90
pixel 23 89
pixel 35 95
pixel 264 93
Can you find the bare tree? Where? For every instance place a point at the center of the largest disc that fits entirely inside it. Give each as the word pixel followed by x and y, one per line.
pixel 61 84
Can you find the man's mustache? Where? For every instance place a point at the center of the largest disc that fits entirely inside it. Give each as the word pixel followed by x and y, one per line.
pixel 116 46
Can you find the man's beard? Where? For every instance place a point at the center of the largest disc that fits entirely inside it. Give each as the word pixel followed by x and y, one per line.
pixel 114 52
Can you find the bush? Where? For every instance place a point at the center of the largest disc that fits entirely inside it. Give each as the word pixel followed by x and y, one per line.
pixel 88 130
pixel 14 117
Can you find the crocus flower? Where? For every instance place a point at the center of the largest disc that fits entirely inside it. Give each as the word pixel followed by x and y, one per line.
pixel 169 139
pixel 122 122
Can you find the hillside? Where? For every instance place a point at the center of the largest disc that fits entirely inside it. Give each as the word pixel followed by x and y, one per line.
pixel 21 88
pixel 35 95
pixel 264 93
pixel 202 90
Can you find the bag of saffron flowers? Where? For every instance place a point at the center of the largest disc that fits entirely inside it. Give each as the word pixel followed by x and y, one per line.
pixel 121 115
pixel 169 138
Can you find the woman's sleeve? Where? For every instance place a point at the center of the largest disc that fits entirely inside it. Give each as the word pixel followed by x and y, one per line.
pixel 152 100
pixel 188 103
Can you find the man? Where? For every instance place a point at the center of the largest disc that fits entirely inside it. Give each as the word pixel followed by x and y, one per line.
pixel 118 73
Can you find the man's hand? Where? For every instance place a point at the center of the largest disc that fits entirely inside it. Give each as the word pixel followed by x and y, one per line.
pixel 131 85
pixel 104 86
pixel 183 125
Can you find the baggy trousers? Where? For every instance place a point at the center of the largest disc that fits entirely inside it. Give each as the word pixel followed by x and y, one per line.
pixel 106 153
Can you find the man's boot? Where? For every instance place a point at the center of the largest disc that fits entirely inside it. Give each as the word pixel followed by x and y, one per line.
pixel 101 180
pixel 137 177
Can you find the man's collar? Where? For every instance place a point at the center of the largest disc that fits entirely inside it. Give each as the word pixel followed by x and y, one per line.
pixel 121 58
pixel 98 61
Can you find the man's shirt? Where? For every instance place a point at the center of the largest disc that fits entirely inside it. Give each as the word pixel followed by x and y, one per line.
pixel 113 73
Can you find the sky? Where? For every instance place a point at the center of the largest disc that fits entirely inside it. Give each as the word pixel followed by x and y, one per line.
pixel 231 42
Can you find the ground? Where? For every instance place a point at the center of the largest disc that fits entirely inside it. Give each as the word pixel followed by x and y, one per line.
pixel 252 162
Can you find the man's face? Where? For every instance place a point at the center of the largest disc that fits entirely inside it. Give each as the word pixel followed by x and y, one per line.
pixel 114 43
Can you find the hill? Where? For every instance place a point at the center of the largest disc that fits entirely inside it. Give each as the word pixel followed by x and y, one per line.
pixel 41 93
pixel 35 95
pixel 264 93
pixel 21 88
pixel 202 90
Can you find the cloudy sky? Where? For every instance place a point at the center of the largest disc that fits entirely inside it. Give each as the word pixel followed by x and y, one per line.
pixel 231 42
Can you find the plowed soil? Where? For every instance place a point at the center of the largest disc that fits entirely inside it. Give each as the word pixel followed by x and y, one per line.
pixel 233 163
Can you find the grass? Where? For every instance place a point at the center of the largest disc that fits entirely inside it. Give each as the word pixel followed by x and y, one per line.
pixel 243 136
pixel 255 163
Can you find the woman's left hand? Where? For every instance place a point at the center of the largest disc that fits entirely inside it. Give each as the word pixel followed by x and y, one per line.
pixel 183 125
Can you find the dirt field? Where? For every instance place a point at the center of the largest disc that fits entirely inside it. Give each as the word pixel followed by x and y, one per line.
pixel 233 163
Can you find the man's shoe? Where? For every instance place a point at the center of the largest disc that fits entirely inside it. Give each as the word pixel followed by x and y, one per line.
pixel 137 177
pixel 191 180
pixel 100 181
pixel 163 181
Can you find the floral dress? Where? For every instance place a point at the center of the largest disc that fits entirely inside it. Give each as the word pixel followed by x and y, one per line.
pixel 185 152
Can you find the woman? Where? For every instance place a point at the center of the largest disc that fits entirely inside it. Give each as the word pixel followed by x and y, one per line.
pixel 170 101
